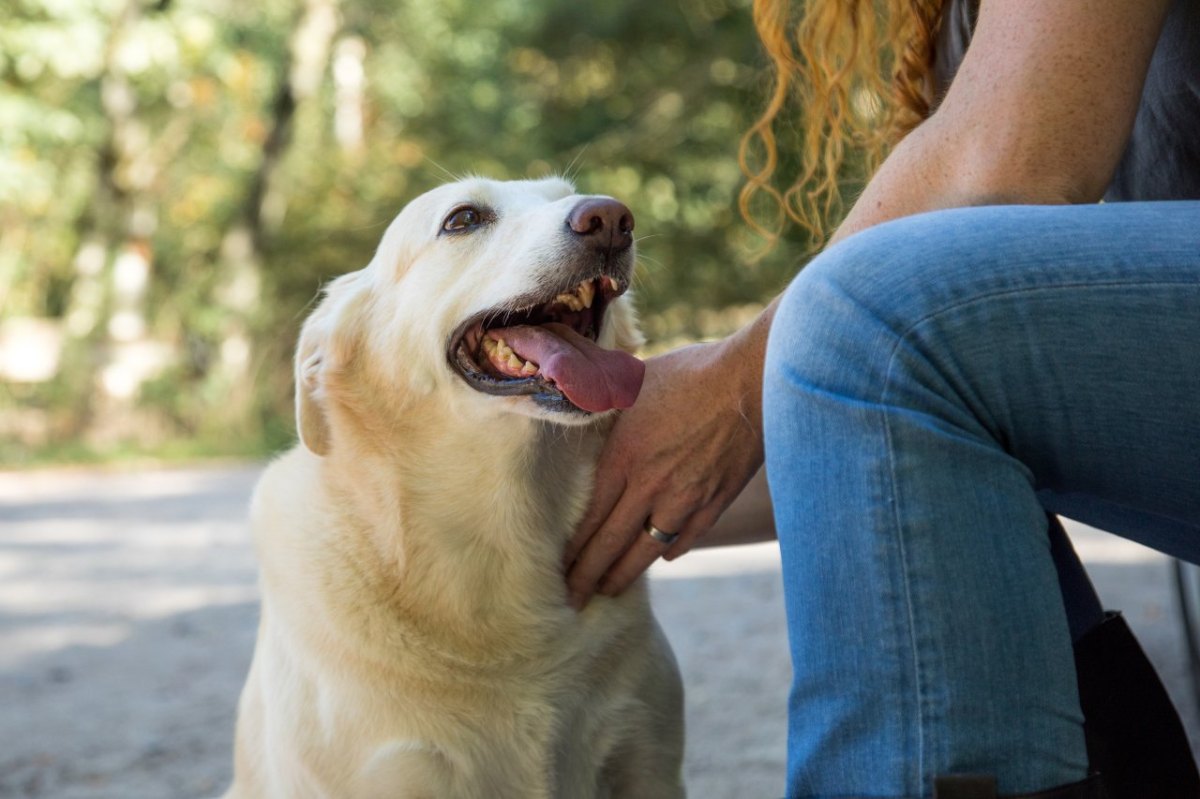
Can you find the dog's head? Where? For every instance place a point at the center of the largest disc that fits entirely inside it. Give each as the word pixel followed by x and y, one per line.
pixel 493 296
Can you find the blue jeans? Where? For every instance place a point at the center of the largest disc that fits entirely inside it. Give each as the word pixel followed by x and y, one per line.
pixel 933 388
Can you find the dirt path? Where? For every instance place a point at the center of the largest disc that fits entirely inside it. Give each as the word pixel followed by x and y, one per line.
pixel 127 616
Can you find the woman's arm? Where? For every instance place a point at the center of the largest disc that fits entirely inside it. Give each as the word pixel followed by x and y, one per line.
pixel 1039 112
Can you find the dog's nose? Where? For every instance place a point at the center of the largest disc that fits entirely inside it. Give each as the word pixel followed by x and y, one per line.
pixel 604 222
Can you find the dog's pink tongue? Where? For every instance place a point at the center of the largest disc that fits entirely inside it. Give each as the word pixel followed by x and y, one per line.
pixel 593 378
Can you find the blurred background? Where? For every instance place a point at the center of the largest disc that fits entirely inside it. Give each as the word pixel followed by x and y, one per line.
pixel 179 177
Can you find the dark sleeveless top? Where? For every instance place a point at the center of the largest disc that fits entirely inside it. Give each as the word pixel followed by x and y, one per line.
pixel 1162 159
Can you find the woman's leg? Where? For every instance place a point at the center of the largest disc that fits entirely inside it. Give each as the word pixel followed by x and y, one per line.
pixel 933 387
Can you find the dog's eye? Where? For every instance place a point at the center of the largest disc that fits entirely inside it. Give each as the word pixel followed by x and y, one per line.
pixel 463 219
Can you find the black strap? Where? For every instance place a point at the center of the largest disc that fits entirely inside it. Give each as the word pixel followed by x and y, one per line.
pixel 977 786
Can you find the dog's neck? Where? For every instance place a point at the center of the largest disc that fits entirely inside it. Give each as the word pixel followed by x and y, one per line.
pixel 469 522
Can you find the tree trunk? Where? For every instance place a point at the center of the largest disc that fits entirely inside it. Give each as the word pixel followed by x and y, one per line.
pixel 239 291
pixel 102 228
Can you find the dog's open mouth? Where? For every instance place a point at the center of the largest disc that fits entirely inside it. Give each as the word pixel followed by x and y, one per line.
pixel 547 349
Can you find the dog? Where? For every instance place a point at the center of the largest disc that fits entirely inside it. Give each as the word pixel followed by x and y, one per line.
pixel 451 401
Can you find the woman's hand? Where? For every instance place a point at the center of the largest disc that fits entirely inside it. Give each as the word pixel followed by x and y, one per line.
pixel 678 457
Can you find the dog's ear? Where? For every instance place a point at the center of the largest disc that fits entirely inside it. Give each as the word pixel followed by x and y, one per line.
pixel 311 424
pixel 326 345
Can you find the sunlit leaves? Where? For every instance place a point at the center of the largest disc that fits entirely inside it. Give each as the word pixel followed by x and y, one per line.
pixel 644 101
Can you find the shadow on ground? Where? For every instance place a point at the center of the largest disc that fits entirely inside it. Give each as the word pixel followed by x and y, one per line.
pixel 149 716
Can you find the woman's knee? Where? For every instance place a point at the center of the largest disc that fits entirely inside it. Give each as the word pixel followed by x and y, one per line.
pixel 846 312
pixel 843 310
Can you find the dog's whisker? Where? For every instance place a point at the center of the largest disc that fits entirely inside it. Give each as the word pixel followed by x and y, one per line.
pixel 372 225
pixel 654 261
pixel 575 162
pixel 453 177
pixel 643 277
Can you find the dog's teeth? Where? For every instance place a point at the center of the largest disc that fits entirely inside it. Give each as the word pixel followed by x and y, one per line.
pixel 515 363
pixel 529 369
pixel 498 350
pixel 586 293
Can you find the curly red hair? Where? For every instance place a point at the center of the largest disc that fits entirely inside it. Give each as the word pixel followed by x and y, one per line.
pixel 859 71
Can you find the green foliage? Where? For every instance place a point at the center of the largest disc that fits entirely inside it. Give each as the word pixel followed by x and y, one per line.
pixel 145 124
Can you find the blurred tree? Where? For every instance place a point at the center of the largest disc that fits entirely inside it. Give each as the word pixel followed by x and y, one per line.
pixel 178 178
pixel 241 252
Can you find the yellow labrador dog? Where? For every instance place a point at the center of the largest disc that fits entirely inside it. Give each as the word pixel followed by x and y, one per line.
pixel 415 639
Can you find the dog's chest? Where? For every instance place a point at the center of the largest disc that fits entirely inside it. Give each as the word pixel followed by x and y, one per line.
pixel 537 735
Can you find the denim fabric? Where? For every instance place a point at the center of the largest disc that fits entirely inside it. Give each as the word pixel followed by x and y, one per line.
pixel 934 387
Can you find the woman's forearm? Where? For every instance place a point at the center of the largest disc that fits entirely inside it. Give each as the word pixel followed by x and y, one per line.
pixel 933 169
pixel 923 173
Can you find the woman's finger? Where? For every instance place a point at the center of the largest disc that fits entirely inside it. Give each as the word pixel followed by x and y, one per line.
pixel 697 527
pixel 645 549
pixel 610 485
pixel 642 552
pixel 613 538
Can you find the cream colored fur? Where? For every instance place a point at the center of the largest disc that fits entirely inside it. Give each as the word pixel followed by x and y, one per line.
pixel 415 639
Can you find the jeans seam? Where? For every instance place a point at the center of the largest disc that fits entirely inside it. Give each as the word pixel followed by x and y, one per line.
pixel 1016 292
pixel 918 672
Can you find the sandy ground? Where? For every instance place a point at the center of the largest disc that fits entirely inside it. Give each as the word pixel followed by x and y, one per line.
pixel 127 616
